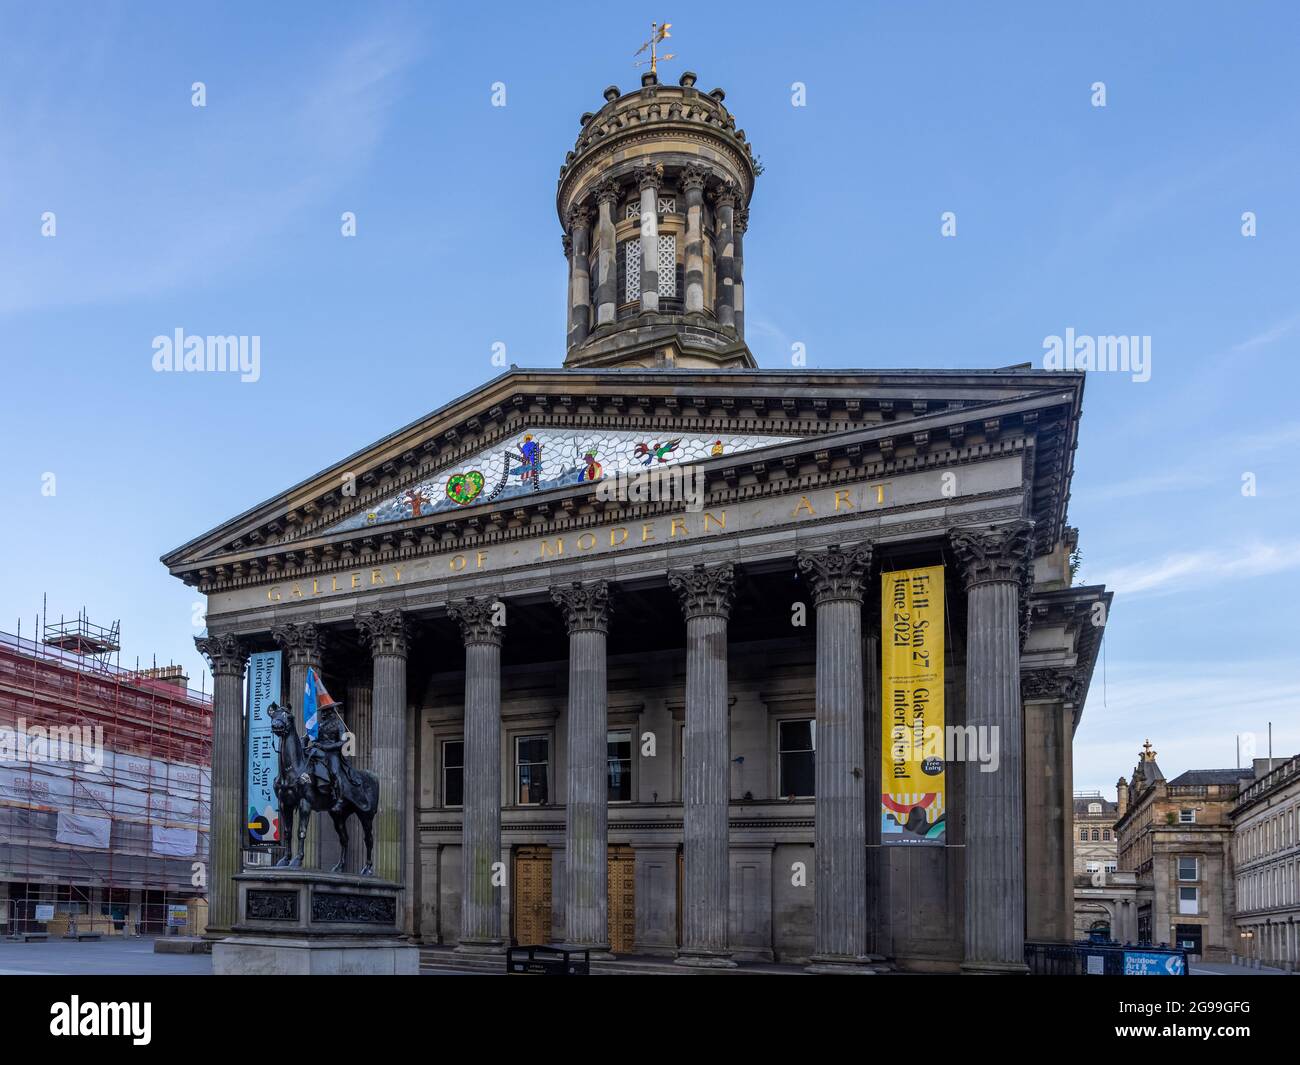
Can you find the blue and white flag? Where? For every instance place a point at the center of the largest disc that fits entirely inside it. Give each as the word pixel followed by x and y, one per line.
pixel 314 699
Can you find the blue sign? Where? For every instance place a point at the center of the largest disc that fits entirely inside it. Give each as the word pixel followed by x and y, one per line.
pixel 263 820
pixel 1153 963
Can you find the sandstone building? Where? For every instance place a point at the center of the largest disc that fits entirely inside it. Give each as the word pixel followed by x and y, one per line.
pixel 663 722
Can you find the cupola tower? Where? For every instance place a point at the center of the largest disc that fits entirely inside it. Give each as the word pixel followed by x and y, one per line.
pixel 654 201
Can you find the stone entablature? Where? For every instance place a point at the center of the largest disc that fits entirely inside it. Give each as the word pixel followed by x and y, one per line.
pixel 278 547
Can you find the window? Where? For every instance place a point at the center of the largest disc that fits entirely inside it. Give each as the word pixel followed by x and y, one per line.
pixel 1189 900
pixel 1112 867
pixel 1187 869
pixel 1083 835
pixel 631 270
pixel 1094 809
pixel 1093 867
pixel 1096 835
pixel 1105 834
pixel 453 772
pixel 798 743
pixel 532 766
pixel 1187 817
pixel 619 747
pixel 666 265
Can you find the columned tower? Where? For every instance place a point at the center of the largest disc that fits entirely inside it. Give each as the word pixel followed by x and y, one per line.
pixel 654 200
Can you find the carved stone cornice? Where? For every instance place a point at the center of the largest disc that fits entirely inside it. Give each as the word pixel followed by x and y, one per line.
pixel 386 632
pixel 477 618
pixel 586 607
pixel 837 572
pixel 1049 685
pixel 303 642
pixel 649 176
pixel 226 653
pixel 705 591
pixel 999 553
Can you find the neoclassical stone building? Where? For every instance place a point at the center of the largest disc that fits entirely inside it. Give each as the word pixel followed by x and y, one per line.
pixel 650 719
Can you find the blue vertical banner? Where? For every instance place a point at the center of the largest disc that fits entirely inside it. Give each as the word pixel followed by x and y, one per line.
pixel 263 759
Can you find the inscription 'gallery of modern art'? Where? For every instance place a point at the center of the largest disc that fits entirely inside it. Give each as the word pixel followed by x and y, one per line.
pixel 695 725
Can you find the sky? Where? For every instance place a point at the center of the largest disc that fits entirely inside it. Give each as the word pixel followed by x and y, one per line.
pixel 1122 219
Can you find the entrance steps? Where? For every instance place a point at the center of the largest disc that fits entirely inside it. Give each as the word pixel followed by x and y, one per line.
pixel 445 959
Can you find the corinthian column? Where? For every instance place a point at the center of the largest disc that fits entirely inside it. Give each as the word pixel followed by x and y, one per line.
pixel 303 644
pixel 724 204
pixel 606 253
pixel 649 178
pixel 738 270
pixel 706 595
pixel 586 880
pixel 579 233
pixel 994 564
pixel 837 577
pixel 388 636
pixel 692 182
pixel 228 658
pixel 480 899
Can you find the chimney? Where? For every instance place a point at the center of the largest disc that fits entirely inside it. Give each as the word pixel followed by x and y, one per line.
pixel 1121 796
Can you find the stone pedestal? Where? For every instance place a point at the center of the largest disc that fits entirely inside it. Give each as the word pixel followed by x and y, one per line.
pixel 296 922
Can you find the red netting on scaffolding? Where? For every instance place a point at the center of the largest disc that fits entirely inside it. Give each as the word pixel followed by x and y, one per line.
pixel 105 791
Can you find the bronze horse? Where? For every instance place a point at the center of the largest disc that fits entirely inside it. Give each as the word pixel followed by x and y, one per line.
pixel 303 798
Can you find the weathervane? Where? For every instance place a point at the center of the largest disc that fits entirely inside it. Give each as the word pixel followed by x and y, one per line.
pixel 657 33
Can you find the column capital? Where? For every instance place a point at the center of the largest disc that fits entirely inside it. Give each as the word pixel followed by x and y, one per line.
pixel 608 191
pixel 1049 685
pixel 705 590
pixel 726 194
pixel 994 553
pixel 477 618
pixel 303 642
pixel 226 653
pixel 586 607
pixel 566 243
pixel 693 178
pixel 649 176
pixel 837 572
pixel 741 221
pixel 577 217
pixel 387 632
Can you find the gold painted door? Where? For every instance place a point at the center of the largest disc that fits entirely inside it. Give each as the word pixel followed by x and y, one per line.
pixel 622 899
pixel 532 906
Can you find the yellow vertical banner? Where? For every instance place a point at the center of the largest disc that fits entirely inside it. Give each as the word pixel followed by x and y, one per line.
pixel 912 783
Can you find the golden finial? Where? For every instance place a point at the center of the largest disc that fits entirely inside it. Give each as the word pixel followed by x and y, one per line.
pixel 1148 755
pixel 658 31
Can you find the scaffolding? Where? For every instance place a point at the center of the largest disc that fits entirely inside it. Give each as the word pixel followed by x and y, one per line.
pixel 105 789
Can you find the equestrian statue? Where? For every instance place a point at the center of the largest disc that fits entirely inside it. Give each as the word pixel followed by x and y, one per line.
pixel 316 775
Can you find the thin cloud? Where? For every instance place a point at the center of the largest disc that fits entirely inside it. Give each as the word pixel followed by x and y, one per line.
pixel 1197 569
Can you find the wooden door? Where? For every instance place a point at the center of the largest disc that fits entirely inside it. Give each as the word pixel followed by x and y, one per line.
pixel 622 899
pixel 532 898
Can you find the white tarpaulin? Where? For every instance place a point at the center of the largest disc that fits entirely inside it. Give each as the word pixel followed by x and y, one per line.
pixel 180 842
pixel 81 830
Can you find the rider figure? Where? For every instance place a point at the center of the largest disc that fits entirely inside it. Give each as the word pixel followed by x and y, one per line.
pixel 327 747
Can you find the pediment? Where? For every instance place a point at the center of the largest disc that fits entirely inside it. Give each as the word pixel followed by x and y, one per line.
pixel 546 457
pixel 737 425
